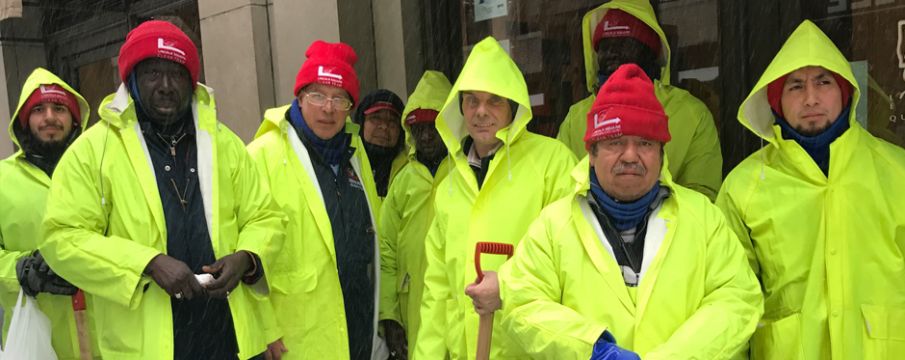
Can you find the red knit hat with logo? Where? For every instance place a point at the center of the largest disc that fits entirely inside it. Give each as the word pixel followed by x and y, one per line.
pixel 626 106
pixel 50 93
pixel 158 39
pixel 329 64
pixel 617 23
pixel 774 92
pixel 421 116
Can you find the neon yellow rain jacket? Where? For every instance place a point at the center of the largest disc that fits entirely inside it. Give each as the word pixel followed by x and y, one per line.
pixel 307 297
pixel 828 250
pixel 405 217
pixel 528 172
pixel 694 151
pixel 105 223
pixel 23 194
pixel 697 298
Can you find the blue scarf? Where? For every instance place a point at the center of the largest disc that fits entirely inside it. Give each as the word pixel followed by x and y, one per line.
pixel 133 90
pixel 331 150
pixel 625 215
pixel 818 146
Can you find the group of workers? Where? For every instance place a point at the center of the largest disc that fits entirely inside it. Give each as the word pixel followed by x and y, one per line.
pixel 347 228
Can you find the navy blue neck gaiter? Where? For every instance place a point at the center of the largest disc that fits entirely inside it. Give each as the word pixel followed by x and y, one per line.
pixel 817 146
pixel 625 215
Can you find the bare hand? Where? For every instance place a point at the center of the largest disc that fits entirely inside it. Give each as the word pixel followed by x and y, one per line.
pixel 227 272
pixel 275 350
pixel 174 277
pixel 396 341
pixel 485 295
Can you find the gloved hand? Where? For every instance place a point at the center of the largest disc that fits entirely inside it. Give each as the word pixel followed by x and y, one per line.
pixel 35 276
pixel 606 349
pixel 396 341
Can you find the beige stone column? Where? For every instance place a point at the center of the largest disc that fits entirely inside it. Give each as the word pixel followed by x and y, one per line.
pixel 390 46
pixel 295 24
pixel 237 61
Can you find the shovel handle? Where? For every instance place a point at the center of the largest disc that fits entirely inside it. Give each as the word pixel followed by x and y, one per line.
pixel 485 332
pixel 81 325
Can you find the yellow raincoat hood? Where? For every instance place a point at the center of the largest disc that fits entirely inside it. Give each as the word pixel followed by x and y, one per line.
pixel 490 69
pixel 807 46
pixel 38 77
pixel 430 93
pixel 640 9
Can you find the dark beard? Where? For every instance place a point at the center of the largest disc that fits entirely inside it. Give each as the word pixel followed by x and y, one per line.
pixel 44 154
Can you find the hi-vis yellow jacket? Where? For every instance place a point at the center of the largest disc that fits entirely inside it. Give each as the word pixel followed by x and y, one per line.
pixel 528 172
pixel 829 250
pixel 405 217
pixel 23 194
pixel 697 297
pixel 105 223
pixel 694 151
pixel 307 297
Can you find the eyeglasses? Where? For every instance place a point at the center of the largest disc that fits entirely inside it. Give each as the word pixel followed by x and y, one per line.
pixel 317 99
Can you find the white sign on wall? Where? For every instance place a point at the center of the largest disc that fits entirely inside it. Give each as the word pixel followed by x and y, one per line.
pixel 489 9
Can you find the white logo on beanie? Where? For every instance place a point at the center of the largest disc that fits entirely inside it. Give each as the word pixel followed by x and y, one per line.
pixel 321 72
pixel 606 122
pixel 168 50
pixel 608 28
pixel 48 90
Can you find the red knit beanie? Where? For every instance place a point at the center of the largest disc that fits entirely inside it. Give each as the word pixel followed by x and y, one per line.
pixel 617 23
pixel 626 106
pixel 329 64
pixel 158 39
pixel 421 116
pixel 50 93
pixel 774 92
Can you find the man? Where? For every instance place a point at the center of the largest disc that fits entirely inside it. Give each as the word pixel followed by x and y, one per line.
pixel 631 264
pixel 50 115
pixel 627 31
pixel 326 285
pixel 501 177
pixel 157 192
pixel 407 213
pixel 378 117
pixel 819 211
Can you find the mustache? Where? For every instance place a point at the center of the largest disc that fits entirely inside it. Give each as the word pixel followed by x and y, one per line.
pixel 629 168
pixel 51 126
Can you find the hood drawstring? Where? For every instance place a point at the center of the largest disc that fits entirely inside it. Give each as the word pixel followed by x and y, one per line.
pixel 285 132
pixel 763 160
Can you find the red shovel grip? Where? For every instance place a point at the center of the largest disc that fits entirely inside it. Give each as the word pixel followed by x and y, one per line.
pixel 489 248
pixel 78 301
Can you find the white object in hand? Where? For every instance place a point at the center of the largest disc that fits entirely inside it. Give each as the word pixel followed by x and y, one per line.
pixel 204 279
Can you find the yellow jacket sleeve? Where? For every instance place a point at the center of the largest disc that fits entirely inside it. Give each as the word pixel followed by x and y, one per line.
pixel 733 217
pixel 431 336
pixel 75 246
pixel 390 218
pixel 261 222
pixel 532 314
pixel 730 309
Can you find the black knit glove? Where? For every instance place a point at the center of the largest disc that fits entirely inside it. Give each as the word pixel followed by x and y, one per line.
pixel 35 276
